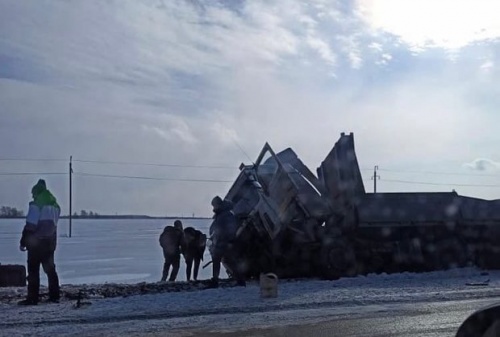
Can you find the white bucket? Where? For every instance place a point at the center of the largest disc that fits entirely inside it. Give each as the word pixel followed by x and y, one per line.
pixel 268 285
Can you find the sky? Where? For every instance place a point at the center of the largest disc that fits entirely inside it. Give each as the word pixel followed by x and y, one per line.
pixel 194 88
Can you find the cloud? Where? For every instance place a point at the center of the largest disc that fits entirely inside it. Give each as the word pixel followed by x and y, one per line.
pixel 487 66
pixel 180 132
pixel 197 83
pixel 384 59
pixel 483 164
pixel 446 24
pixel 322 48
pixel 223 133
pixel 350 46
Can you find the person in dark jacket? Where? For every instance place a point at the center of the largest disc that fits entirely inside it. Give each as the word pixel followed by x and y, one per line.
pixel 222 233
pixel 39 237
pixel 172 243
pixel 196 242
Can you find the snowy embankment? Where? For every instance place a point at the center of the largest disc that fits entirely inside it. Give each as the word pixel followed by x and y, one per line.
pixel 128 252
pixel 187 303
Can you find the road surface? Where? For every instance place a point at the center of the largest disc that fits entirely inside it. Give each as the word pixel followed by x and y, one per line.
pixel 436 319
pixel 418 319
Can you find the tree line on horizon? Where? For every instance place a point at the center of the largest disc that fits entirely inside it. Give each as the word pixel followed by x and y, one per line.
pixel 13 212
pixel 10 212
pixel 85 214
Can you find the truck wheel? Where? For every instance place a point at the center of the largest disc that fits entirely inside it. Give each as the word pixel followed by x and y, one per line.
pixel 337 259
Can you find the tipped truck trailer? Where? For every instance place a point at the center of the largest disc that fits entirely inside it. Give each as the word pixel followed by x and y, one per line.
pixel 299 224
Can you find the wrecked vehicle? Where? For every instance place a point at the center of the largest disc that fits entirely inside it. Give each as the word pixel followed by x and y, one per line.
pixel 298 224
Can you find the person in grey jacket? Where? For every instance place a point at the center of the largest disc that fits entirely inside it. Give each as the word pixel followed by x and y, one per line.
pixel 39 238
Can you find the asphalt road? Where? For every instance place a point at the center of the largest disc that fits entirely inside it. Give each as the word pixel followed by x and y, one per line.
pixel 394 319
pixel 418 320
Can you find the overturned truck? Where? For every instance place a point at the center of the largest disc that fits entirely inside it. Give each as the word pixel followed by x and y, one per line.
pixel 298 224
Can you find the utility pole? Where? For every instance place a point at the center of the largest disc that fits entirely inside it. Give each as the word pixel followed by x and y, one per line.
pixel 70 192
pixel 374 178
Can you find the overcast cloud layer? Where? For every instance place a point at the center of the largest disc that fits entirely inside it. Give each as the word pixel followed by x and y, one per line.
pixel 207 83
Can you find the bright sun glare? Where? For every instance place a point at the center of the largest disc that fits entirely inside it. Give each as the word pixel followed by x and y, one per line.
pixel 449 24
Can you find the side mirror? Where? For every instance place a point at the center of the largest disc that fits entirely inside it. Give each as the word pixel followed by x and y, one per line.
pixel 482 323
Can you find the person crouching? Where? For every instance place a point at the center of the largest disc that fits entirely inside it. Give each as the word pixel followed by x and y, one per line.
pixel 196 243
pixel 172 243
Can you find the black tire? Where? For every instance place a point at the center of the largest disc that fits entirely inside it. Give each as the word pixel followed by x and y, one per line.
pixel 337 259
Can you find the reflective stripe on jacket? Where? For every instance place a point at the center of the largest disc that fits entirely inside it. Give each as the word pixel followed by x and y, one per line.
pixel 42 220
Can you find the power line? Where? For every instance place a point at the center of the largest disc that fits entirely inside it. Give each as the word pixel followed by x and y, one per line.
pixel 235 140
pixel 151 178
pixel 226 167
pixel 221 166
pixel 433 172
pixel 31 173
pixel 438 184
pixel 33 159
pixel 223 181
pixel 242 150
pixel 440 173
pixel 103 162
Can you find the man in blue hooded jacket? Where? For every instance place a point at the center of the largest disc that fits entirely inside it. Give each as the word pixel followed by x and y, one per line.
pixel 39 237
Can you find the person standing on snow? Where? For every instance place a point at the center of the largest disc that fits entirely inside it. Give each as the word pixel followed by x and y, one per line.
pixel 39 238
pixel 222 233
pixel 172 243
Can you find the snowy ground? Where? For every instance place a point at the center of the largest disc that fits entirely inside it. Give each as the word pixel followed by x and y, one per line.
pixel 240 308
pixel 176 308
pixel 103 250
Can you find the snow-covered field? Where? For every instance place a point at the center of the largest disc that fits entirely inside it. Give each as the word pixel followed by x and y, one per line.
pixel 111 253
pixel 103 250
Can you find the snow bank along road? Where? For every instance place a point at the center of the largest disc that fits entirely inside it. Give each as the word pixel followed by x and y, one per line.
pixel 175 308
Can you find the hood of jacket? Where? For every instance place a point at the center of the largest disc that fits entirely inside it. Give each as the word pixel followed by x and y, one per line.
pixel 45 198
pixel 225 206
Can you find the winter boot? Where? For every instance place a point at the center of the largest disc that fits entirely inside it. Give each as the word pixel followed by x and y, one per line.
pixel 214 283
pixel 28 301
